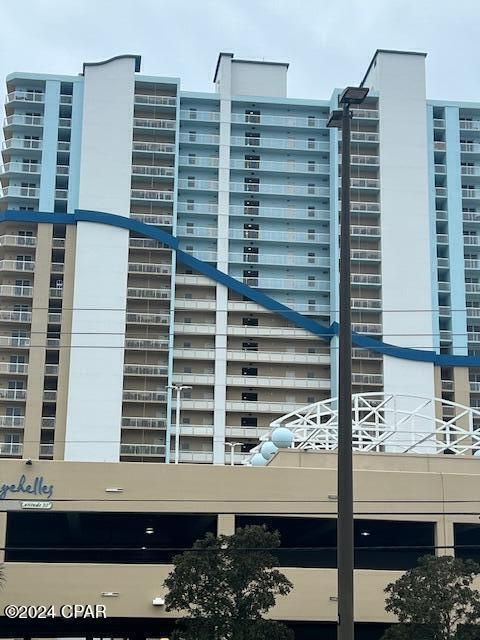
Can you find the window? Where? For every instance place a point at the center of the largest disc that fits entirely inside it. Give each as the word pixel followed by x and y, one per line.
pixel 250 277
pixel 311 234
pixel 250 322
pixel 250 230
pixel 252 139
pixel 190 227
pixel 251 184
pixel 192 136
pixel 251 207
pixel 192 158
pixel 311 121
pixel 311 211
pixel 250 346
pixel 249 371
pixel 311 143
pixel 252 116
pixel 192 113
pixel 191 182
pixel 311 258
pixel 311 189
pixel 249 396
pixel 252 162
pixel 248 421
pixel 187 369
pixel 187 345
pixel 190 205
pixel 311 281
pixel 312 165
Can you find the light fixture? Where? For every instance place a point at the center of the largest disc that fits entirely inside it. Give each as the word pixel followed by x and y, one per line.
pixel 113 490
pixel 335 119
pixel 110 594
pixel 353 95
pixel 364 533
pixel 149 530
pixel 144 548
pixel 158 601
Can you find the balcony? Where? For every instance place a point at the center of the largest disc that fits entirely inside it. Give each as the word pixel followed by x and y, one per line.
pixel 14 342
pixel 144 396
pixel 16 316
pixel 473 336
pixel 470 125
pixel 64 123
pixel 25 96
pixel 20 192
pixel 148 294
pixel 441 168
pixel 307 213
pixel 287 284
pixel 21 144
pixel 142 450
pixel 365 114
pixel 197 305
pixel 443 286
pixel 279 143
pixel 16 368
pixel 469 147
pixel 148 267
pixel 199 161
pixel 199 232
pixel 13 394
pixel 12 291
pixel 364 136
pixel 195 456
pixel 307 122
pixel 206 256
pixel 150 194
pixel 155 101
pixel 63 146
pixel 441 192
pixel 375 379
pixel 18 119
pixel 48 422
pixel 143 423
pixel 287 357
pixel 146 344
pixel 200 139
pixel 369 207
pixel 11 449
pixel 201 116
pixel 366 327
pixel 153 147
pixel 17 265
pixel 144 370
pixel 471 240
pixel 366 303
pixel 154 123
pixel 438 123
pixel 12 421
pixel 265 330
pixel 281 236
pixel 276 259
pixel 152 172
pixel 260 406
pixel 366 255
pixel 440 146
pixel 153 219
pixel 475 386
pixel 56 292
pixel 184 207
pixel 447 385
pixel 148 318
pixel 366 279
pixel 49 395
pixel 470 171
pixel 471 194
pixel 51 369
pixel 146 243
pixel 285 167
pixel 277 382
pixel 198 185
pixel 371 161
pixel 20 168
pixel 280 189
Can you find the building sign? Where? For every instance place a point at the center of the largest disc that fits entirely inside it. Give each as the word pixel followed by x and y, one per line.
pixel 36 487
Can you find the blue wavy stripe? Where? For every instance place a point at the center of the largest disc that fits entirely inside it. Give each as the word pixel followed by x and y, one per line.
pixel 324 332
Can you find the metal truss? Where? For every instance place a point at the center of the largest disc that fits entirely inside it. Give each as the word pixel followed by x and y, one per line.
pixel 388 422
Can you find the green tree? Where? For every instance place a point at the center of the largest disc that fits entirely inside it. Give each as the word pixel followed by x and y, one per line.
pixel 435 601
pixel 225 585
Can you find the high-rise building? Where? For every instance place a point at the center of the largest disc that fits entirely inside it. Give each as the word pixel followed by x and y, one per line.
pixel 153 237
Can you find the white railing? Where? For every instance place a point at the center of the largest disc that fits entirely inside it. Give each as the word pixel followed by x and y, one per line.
pixel 285 236
pixel 163 101
pixel 469 147
pixel 366 278
pixel 147 170
pixel 20 143
pixel 365 230
pixel 144 370
pixel 144 396
pixel 307 122
pixel 154 123
pixel 470 171
pixel 13 290
pixel 470 193
pixel 286 167
pixel 146 243
pixel 18 368
pixel 153 147
pixel 153 218
pixel 17 265
pixel 148 318
pixel 184 207
pixel 156 294
pixel 143 423
pixel 20 167
pixel 205 232
pixel 279 143
pixel 280 189
pixel 143 194
pixel 10 449
pixel 15 316
pixel 207 185
pixel 199 138
pixel 25 96
pixel 22 119
pixel 16 342
pixel 310 213
pixel 148 267
pixel 145 344
pixel 12 421
pixel 371 207
pixel 194 114
pixel 472 125
pixel 255 258
pixel 364 136
pixel 20 192
pixel 199 161
pixel 13 394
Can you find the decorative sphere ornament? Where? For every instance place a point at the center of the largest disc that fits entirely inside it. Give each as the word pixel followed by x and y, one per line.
pixel 257 460
pixel 268 449
pixel 282 437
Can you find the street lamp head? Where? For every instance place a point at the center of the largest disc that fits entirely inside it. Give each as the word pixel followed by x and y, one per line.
pixel 335 119
pixel 353 95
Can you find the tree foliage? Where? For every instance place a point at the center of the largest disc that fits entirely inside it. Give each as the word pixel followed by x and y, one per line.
pixel 435 601
pixel 225 585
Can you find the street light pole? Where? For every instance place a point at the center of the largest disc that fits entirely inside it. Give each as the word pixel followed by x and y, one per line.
pixel 345 552
pixel 232 446
pixel 178 388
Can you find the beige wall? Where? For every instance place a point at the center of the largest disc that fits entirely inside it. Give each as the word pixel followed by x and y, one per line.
pixel 295 483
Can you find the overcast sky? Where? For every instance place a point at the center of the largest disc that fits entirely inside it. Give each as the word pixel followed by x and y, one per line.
pixel 328 43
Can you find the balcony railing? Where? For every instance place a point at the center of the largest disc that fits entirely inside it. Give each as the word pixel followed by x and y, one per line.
pixel 11 449
pixel 146 170
pixel 470 171
pixel 14 341
pixel 205 116
pixel 471 125
pixel 143 423
pixel 146 243
pixel 469 147
pixel 162 220
pixel 279 143
pixel 20 167
pixel 148 318
pixel 471 193
pixel 21 119
pixel 11 290
pixel 15 316
pixel 143 194
pixel 199 161
pixel 144 396
pixel 12 421
pixel 366 278
pixel 367 378
pixel 280 189
pixel 279 236
pixel 255 258
pixel 279 121
pixel 184 207
pixel 144 370
pixel 17 265
pixel 310 213
pixel 146 344
pixel 25 96
pixel 201 185
pixel 16 368
pixel 200 138
pixel 142 450
pixel 13 394
pixel 370 207
pixel 20 192
pixel 154 123
pixel 148 267
pixel 20 143
pixel 149 294
pixel 153 147
pixel 158 101
pixel 286 167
